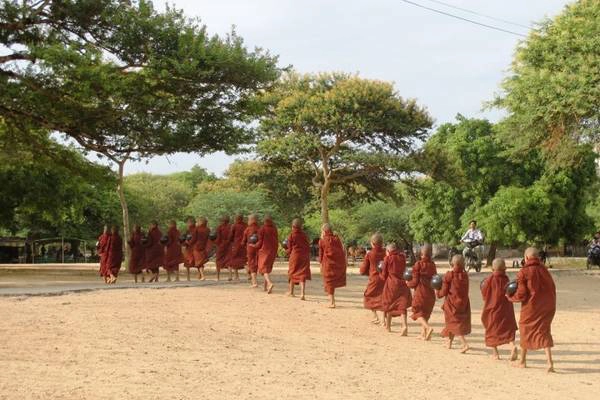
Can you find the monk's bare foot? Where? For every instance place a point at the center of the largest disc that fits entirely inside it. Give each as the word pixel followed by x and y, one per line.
pixel 254 285
pixel 464 349
pixel 375 321
pixel 389 329
pixel 289 294
pixel 270 289
pixel 404 332
pixel 495 357
pixel 550 369
pixel 514 354
pixel 428 334
pixel 518 364
pixel 302 298
pixel 331 305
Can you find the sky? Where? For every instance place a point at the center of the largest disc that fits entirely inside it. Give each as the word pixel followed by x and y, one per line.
pixel 449 65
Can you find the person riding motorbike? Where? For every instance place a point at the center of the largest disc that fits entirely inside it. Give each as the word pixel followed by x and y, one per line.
pixel 473 240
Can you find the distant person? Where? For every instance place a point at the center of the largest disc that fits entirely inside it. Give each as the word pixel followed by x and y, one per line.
pixel 251 250
pixel 298 251
pixel 333 262
pixel 222 243
pixel 370 267
pixel 473 238
pixel 236 256
pixel 102 248
pixel 200 246
pixel 43 251
pixel 395 297
pixel 423 297
pixel 266 251
pixel 115 254
pixel 457 307
pixel 498 314
pixel 173 254
pixel 136 258
pixel 154 255
pixel 537 294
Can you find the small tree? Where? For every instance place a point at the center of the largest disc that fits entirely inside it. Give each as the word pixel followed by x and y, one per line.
pixel 345 130
pixel 127 82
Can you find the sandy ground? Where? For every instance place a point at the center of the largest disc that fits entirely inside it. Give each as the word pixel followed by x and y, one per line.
pixel 227 341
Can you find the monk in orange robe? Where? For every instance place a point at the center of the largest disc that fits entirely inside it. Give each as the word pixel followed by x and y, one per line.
pixel 370 266
pixel 188 253
pixel 457 307
pixel 395 297
pixel 154 252
pixel 115 254
pixel 223 245
pixel 251 251
pixel 298 251
pixel 173 255
pixel 200 246
pixel 236 258
pixel 333 262
pixel 423 296
pixel 537 294
pixel 498 314
pixel 102 250
pixel 266 251
pixel 136 259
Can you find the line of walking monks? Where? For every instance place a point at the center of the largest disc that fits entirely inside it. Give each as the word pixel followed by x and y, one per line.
pixel 254 247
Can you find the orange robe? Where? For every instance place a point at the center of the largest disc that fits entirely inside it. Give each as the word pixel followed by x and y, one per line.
pixel 423 296
pixel 102 249
pixel 498 314
pixel 136 259
pixel 200 245
pixel 457 308
pixel 154 252
pixel 537 294
pixel 251 250
pixel 188 253
pixel 268 243
pixel 395 297
pixel 173 255
pixel 237 251
pixel 372 300
pixel 333 262
pixel 222 244
pixel 115 254
pixel 298 251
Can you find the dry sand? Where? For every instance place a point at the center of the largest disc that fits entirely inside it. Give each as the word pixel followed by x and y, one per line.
pixel 228 341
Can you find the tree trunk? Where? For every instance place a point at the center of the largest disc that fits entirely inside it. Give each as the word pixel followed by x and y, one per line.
pixel 491 254
pixel 325 202
pixel 124 208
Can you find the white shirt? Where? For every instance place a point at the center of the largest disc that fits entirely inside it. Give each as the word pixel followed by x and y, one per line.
pixel 472 235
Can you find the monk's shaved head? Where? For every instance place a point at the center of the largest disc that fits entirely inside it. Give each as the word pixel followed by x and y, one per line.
pixel 426 250
pixel 297 223
pixel 225 218
pixel 391 246
pixel 202 220
pixel 377 238
pixel 532 252
pixel 268 218
pixel 326 227
pixel 252 218
pixel 458 259
pixel 498 264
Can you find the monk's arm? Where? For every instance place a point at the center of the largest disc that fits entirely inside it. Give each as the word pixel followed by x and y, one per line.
pixel 443 292
pixel 416 277
pixel 522 294
pixel 365 265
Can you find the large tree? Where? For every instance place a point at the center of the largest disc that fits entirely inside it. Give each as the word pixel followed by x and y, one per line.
pixel 347 132
pixel 553 89
pixel 126 81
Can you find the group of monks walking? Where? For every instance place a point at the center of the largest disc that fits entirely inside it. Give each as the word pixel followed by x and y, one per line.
pixel 389 291
pixel 254 247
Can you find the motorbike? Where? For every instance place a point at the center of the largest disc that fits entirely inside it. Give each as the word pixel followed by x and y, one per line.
pixel 593 257
pixel 472 261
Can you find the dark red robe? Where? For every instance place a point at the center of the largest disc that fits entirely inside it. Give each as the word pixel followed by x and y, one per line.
pixel 237 250
pixel 268 243
pixel 200 245
pixel 457 307
pixel 395 297
pixel 223 245
pixel 333 262
pixel 423 295
pixel 498 314
pixel 102 249
pixel 136 258
pixel 372 300
pixel 537 294
pixel 251 250
pixel 298 251
pixel 173 254
pixel 115 253
pixel 188 253
pixel 154 252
